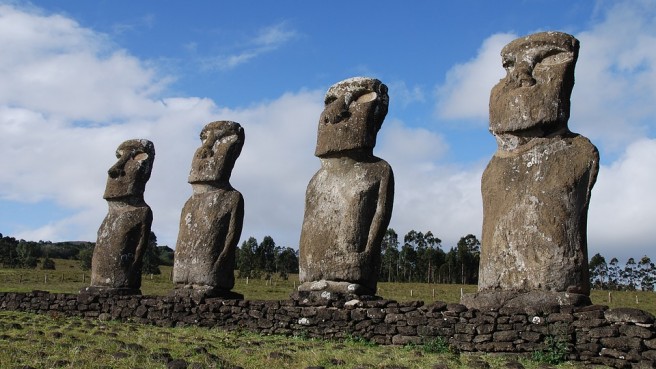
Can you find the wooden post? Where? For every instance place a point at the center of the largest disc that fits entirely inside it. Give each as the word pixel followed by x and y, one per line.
pixel 20 279
pixel 62 277
pixel 246 280
pixel 45 278
pixel 410 293
pixel 610 297
pixel 461 293
pixel 151 276
pixel 637 302
pixel 433 294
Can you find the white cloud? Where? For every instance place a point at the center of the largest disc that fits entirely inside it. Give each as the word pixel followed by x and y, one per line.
pixel 64 162
pixel 623 204
pixel 613 99
pixel 62 73
pixel 267 40
pixel 402 95
pixel 52 65
pixel 274 36
pixel 465 93
pixel 429 195
pixel 70 97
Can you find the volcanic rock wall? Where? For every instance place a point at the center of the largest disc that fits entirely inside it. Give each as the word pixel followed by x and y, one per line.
pixel 622 338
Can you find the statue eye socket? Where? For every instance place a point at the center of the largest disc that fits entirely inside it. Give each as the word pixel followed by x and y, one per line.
pixel 329 100
pixel 367 97
pixel 507 63
pixel 553 57
pixel 140 156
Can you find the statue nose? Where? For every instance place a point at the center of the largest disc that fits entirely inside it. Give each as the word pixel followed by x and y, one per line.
pixel 522 75
pixel 117 170
pixel 335 113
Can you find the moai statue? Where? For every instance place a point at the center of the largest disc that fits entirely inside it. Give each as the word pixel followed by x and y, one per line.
pixel 212 218
pixel 123 235
pixel 536 189
pixel 348 203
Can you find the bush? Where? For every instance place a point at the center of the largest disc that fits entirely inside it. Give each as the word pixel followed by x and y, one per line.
pixel 48 264
pixel 555 352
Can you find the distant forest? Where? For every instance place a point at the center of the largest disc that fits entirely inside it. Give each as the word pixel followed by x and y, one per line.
pixel 418 257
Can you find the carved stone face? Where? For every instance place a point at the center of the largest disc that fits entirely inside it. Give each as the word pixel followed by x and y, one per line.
pixel 538 84
pixel 354 112
pixel 221 145
pixel 132 170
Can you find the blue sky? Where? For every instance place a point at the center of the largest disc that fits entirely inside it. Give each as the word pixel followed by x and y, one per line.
pixel 80 77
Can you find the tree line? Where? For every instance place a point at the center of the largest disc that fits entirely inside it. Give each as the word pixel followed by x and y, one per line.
pixel 29 254
pixel 419 257
pixel 264 259
pixel 634 275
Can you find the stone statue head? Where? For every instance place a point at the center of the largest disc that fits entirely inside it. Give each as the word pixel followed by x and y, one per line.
pixel 354 112
pixel 536 90
pixel 128 177
pixel 221 145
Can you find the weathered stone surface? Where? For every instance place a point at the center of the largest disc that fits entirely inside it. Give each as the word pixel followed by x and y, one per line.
pixel 629 315
pixel 536 189
pixel 124 233
pixel 348 202
pixel 531 302
pixel 212 218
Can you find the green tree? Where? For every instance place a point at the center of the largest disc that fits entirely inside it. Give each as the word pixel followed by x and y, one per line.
pixel 286 261
pixel 390 256
pixel 150 261
pixel 424 246
pixel 646 274
pixel 408 262
pixel 266 256
pixel 25 255
pixel 166 255
pixel 8 251
pixel 449 271
pixel 47 263
pixel 85 256
pixel 598 271
pixel 247 261
pixel 469 250
pixel 614 277
pixel 629 275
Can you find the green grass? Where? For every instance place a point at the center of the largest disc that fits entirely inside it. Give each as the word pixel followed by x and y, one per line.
pixel 68 278
pixel 53 341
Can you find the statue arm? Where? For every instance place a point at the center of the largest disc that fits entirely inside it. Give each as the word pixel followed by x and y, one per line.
pixel 383 212
pixel 234 232
pixel 144 237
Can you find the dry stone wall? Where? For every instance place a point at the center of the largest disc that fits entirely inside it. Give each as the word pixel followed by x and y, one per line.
pixel 621 338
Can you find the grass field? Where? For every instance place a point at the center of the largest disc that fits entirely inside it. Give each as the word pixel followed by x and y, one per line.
pixel 69 278
pixel 52 341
